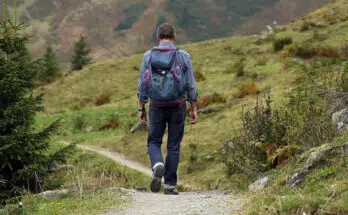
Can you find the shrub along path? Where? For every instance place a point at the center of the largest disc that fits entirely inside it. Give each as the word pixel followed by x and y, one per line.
pixel 206 202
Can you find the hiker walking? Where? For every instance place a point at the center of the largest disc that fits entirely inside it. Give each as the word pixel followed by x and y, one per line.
pixel 166 78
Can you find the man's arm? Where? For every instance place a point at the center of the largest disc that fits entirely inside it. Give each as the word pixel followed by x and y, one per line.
pixel 192 94
pixel 142 97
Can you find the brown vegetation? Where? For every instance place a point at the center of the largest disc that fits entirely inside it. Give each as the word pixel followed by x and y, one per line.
pixel 199 76
pixel 102 100
pixel 204 101
pixel 307 51
pixel 112 124
pixel 246 88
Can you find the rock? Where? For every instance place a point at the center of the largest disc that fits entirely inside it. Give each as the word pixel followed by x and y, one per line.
pixel 207 110
pixel 129 191
pixel 141 189
pixel 320 25
pixel 53 194
pixel 338 102
pixel 90 129
pixel 298 178
pixel 312 160
pixel 340 120
pixel 315 156
pixel 259 184
pixel 58 167
pixel 138 127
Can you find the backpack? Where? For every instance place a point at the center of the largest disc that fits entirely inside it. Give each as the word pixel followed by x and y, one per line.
pixel 164 79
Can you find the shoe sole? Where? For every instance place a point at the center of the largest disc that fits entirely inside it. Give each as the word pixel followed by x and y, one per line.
pixel 171 194
pixel 156 182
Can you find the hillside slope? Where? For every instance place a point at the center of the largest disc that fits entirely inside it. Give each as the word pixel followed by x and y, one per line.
pixel 121 27
pixel 98 106
pixel 282 12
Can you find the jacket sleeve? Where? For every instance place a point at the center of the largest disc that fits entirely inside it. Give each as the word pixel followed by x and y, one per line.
pixel 142 96
pixel 192 94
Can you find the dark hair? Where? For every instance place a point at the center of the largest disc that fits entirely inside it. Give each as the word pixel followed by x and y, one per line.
pixel 166 31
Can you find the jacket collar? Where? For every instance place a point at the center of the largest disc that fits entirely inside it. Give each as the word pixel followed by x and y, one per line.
pixel 166 44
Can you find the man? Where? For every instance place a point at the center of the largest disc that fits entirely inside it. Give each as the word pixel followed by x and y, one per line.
pixel 166 78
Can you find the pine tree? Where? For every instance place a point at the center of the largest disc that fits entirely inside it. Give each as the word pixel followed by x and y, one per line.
pixel 50 66
pixel 80 56
pixel 24 157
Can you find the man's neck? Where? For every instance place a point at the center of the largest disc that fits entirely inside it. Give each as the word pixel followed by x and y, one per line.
pixel 166 41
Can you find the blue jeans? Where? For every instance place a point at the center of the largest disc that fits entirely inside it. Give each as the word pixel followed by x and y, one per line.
pixel 159 118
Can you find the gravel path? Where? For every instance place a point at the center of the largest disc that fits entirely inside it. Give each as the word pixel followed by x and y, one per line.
pixel 145 203
pixel 117 157
pixel 205 203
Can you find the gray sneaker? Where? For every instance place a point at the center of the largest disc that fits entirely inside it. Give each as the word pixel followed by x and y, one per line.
pixel 156 182
pixel 171 191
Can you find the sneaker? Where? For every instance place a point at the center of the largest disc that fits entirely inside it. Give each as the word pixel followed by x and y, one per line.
pixel 156 182
pixel 170 192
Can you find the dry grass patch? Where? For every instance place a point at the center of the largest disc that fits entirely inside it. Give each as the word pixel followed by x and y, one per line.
pixel 112 124
pixel 102 99
pixel 246 88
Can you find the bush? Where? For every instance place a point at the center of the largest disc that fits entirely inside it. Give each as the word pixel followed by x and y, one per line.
pixel 270 136
pixel 344 50
pixel 237 67
pixel 278 44
pixel 317 36
pixel 306 25
pixel 79 123
pixel 112 124
pixel 246 88
pixel 308 51
pixel 102 100
pixel 328 51
pixel 199 76
pixel 204 101
pixel 329 18
pixel 343 77
pixel 261 60
pixel 192 163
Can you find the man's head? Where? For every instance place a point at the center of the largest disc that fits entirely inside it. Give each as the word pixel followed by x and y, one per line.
pixel 166 32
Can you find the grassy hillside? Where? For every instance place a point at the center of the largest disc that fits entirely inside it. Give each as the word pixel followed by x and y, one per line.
pixel 74 97
pixel 120 27
pixel 325 190
pixel 281 12
pixel 93 184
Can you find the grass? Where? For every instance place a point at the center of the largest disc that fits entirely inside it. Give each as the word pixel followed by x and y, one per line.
pixel 73 97
pixel 91 202
pixel 325 190
pixel 91 181
pixel 106 77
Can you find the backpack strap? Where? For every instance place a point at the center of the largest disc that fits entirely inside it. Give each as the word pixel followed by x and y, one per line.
pixel 172 61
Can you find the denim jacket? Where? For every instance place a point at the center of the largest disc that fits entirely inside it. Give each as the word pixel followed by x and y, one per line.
pixel 182 58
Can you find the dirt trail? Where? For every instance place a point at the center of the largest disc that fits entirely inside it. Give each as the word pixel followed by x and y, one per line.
pixel 119 158
pixel 192 203
pixel 189 203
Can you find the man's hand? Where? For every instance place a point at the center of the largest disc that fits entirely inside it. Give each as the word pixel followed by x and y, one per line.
pixel 142 117
pixel 142 114
pixel 194 113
